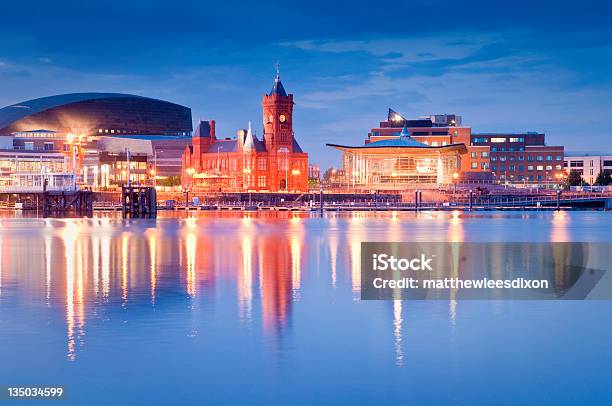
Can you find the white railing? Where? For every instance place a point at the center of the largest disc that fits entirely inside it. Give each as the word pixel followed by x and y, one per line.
pixel 36 189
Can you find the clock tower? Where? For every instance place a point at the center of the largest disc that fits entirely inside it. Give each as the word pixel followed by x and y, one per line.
pixel 278 117
pixel 278 135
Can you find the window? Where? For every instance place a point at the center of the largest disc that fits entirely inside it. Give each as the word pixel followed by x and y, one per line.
pixel 497 140
pixel 484 154
pixel 540 168
pixel 511 168
pixel 517 139
pixel 474 155
pixel 530 167
pixel 479 139
pixel 493 168
pixel 558 167
pixel 549 158
pixel 283 164
pixel 48 146
pixel 576 164
pixel 503 167
pixel 530 158
pixel 521 168
pixel 502 158
pixel 559 157
pixel 28 146
pixel 493 158
pixel 607 163
pixel 261 181
pixel 521 157
pixel 474 165
pixel 493 149
pixel 511 158
pixel 540 158
pixel 483 166
pixel 261 164
pixel 549 167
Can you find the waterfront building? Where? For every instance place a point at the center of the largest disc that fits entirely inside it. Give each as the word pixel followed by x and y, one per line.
pixel 393 162
pixel 274 163
pixel 96 131
pixel 87 114
pixel 588 166
pixel 152 158
pixel 519 158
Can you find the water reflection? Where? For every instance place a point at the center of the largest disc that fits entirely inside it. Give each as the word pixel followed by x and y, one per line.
pixel 261 263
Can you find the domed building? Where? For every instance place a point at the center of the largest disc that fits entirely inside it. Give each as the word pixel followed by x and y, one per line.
pixel 97 114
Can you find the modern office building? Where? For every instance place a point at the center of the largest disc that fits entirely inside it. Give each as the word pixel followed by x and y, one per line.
pixel 589 166
pixel 275 163
pixel 25 164
pixel 97 114
pixel 149 158
pixel 520 158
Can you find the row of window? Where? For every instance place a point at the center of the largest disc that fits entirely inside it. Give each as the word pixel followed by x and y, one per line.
pixel 498 140
pixel 483 154
pixel 530 158
pixel 580 164
pixel 510 149
pixel 521 168
pixel 529 178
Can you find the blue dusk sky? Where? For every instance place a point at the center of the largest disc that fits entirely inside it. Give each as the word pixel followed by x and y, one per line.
pixel 504 66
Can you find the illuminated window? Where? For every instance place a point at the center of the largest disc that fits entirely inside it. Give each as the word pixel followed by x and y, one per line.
pixel 497 140
pixel 261 164
pixel 261 181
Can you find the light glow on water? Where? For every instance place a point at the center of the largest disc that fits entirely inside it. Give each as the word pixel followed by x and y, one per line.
pixel 277 294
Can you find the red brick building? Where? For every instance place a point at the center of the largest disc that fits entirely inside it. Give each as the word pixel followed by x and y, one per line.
pixel 504 157
pixel 275 163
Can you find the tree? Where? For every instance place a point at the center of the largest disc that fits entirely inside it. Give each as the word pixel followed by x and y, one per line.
pixel 603 179
pixel 327 175
pixel 170 181
pixel 575 178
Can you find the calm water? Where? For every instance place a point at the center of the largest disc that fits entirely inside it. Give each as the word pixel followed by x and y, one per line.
pixel 264 308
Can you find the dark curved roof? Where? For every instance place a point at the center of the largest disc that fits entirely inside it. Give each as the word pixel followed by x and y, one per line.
pixel 15 112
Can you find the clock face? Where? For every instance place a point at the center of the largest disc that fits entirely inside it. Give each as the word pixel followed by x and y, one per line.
pixel 271 118
pixel 282 118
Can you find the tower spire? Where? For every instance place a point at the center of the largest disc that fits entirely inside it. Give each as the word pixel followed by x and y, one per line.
pixel 278 85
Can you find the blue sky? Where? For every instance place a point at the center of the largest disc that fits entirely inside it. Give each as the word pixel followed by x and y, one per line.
pixel 504 66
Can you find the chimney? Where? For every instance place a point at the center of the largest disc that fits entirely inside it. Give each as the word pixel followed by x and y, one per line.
pixel 212 130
